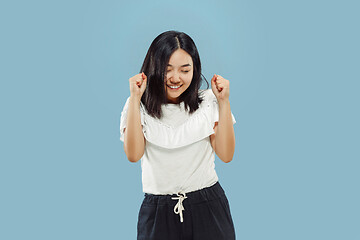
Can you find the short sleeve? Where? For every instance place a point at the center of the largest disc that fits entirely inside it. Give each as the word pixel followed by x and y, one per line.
pixel 215 108
pixel 124 117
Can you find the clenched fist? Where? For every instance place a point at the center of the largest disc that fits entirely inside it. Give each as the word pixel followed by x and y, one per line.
pixel 220 87
pixel 138 85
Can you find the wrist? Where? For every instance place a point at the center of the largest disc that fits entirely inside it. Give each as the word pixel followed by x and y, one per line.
pixel 223 102
pixel 135 99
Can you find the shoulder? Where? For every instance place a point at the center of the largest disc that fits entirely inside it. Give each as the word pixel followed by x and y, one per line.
pixel 209 99
pixel 207 95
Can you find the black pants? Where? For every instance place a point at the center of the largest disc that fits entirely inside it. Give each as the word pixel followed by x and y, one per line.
pixel 206 215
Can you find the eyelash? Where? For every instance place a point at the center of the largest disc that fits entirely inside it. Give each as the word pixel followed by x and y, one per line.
pixel 182 71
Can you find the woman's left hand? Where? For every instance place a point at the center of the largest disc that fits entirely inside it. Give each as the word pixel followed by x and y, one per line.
pixel 220 87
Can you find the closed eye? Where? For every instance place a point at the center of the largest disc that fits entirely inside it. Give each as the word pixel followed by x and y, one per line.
pixel 182 71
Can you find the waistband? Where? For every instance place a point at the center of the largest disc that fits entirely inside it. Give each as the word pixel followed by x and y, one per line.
pixel 206 194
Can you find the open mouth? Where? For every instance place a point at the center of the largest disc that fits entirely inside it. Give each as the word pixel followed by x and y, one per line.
pixel 174 87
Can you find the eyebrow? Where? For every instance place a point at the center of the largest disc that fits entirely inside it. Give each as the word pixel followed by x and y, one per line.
pixel 185 65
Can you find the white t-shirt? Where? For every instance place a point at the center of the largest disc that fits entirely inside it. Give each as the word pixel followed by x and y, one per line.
pixel 178 154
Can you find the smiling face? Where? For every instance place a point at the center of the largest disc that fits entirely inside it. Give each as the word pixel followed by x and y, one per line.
pixel 179 74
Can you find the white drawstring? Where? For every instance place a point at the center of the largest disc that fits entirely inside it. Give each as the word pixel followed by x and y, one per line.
pixel 179 207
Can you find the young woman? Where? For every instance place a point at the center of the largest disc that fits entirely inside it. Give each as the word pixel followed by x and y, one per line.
pixel 175 129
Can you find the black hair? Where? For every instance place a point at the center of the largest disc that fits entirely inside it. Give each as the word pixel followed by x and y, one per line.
pixel 155 65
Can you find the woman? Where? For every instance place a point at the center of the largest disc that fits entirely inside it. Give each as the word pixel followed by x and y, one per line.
pixel 175 129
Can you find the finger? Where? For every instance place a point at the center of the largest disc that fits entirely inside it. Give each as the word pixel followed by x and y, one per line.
pixel 220 80
pixel 139 82
pixel 213 80
pixel 219 83
pixel 143 86
pixel 217 79
pixel 213 84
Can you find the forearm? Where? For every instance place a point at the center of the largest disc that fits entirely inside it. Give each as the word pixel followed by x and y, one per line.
pixel 225 136
pixel 134 143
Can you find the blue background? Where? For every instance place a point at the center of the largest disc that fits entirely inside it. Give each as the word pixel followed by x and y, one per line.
pixel 293 68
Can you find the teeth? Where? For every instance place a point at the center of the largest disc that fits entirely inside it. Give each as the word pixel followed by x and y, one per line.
pixel 174 87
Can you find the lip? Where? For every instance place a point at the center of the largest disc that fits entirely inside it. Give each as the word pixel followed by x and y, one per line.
pixel 174 89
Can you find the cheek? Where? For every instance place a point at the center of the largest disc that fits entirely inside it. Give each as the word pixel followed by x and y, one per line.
pixel 188 79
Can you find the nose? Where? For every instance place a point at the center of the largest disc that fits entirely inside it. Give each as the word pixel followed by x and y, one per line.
pixel 174 78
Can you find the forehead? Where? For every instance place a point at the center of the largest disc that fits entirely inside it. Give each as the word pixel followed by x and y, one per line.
pixel 180 58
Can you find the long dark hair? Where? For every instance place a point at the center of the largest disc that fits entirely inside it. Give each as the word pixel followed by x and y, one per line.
pixel 155 65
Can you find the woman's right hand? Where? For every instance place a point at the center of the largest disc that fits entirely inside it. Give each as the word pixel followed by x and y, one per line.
pixel 137 85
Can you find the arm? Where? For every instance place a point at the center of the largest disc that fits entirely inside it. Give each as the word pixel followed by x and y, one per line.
pixel 134 140
pixel 223 140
